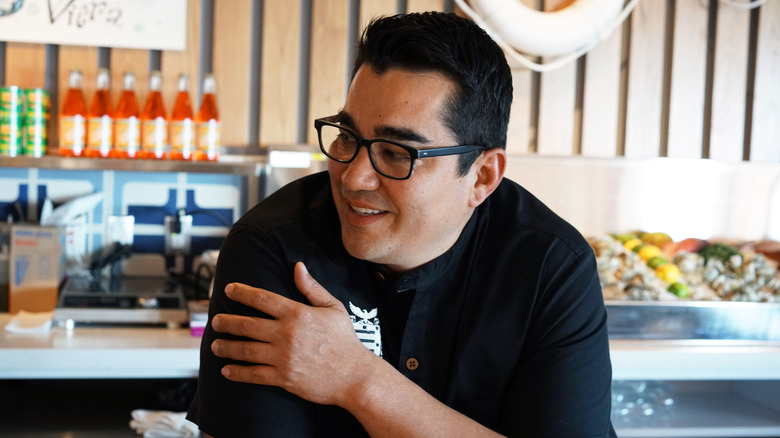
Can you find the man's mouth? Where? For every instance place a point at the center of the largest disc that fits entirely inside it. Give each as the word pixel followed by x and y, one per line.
pixel 365 211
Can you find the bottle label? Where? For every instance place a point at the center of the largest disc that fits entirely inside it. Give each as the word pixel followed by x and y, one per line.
pixel 209 139
pixel 128 135
pixel 182 139
pixel 154 138
pixel 73 130
pixel 100 133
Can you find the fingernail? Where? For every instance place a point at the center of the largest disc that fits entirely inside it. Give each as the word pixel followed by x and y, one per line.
pixel 215 346
pixel 229 288
pixel 226 372
pixel 215 322
pixel 303 266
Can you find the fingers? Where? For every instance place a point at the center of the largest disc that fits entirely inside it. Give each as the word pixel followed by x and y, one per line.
pixel 247 351
pixel 265 301
pixel 249 327
pixel 257 374
pixel 311 289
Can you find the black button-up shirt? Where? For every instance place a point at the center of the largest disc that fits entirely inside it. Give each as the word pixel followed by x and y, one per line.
pixel 507 327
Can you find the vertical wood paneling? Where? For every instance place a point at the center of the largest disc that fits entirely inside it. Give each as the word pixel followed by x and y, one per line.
pixel 25 65
pixel 689 67
pixel 176 62
pixel 645 83
pixel 424 5
pixel 232 27
pixel 556 108
pixel 84 59
pixel 370 9
pixel 328 61
pixel 730 79
pixel 602 130
pixel 601 97
pixel 519 132
pixel 765 139
pixel 137 61
pixel 279 88
pixel 556 111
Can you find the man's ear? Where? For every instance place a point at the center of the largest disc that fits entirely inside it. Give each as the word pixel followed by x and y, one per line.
pixel 489 168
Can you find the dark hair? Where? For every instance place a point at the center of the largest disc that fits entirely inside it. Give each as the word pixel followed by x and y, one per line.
pixel 478 112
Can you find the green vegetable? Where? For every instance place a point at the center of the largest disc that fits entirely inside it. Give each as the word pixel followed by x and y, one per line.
pixel 719 251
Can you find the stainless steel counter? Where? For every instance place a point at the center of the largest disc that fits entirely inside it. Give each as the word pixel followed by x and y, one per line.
pixel 711 320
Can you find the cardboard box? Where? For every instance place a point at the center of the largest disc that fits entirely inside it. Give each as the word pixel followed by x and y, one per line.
pixel 36 268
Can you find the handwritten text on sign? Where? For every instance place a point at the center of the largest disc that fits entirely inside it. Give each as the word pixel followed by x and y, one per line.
pixel 137 24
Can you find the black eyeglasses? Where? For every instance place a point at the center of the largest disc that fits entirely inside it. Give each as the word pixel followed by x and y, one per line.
pixel 389 158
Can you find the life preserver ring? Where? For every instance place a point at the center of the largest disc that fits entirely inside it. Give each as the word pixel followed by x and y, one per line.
pixel 549 34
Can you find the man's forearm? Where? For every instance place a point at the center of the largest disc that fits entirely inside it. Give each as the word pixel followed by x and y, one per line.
pixel 388 404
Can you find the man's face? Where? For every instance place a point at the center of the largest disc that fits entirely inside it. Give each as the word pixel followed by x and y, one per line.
pixel 400 223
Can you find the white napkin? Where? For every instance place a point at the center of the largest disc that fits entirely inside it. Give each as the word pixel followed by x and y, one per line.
pixel 30 322
pixel 162 424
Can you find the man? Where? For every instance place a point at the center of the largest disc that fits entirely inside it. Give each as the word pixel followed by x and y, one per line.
pixel 410 290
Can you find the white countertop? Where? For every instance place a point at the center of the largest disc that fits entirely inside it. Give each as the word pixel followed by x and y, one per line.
pixel 153 352
pixel 99 352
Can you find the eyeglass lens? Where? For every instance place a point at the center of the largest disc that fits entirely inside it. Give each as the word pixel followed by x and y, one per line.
pixel 388 159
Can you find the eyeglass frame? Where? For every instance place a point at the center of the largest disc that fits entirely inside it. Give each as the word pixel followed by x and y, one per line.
pixel 414 153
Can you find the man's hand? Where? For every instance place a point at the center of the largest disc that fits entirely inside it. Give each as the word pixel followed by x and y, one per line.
pixel 309 350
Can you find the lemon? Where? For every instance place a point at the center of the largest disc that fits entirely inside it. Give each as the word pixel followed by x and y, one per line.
pixel 668 272
pixel 649 251
pixel 631 243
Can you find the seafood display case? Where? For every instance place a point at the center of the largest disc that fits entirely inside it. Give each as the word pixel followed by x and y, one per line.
pixel 694 203
pixel 694 338
pixel 693 289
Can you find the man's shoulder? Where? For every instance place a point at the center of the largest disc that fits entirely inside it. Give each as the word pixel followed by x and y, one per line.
pixel 512 208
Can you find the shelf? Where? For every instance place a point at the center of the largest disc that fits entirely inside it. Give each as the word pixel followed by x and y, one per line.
pixel 233 164
pixel 707 415
pixel 252 167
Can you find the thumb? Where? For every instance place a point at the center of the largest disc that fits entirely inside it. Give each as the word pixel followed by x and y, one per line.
pixel 311 289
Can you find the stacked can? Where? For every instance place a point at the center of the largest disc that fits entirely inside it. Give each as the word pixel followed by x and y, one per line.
pixel 36 120
pixel 11 110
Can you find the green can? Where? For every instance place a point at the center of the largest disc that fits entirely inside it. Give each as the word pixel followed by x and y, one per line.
pixel 11 101
pixel 36 103
pixel 10 136
pixel 36 137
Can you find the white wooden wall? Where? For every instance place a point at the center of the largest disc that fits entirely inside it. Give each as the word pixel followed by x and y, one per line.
pixel 681 78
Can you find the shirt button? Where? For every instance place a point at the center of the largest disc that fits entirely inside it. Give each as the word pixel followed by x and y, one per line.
pixel 412 364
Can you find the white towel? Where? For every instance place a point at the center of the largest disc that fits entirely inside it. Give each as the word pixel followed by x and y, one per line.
pixel 162 424
pixel 30 322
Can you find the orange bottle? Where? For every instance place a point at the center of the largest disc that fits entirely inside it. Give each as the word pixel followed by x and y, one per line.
pixel 182 125
pixel 127 126
pixel 154 127
pixel 73 122
pixel 207 125
pixel 100 120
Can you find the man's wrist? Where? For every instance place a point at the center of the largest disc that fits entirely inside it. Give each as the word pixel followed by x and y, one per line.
pixel 365 387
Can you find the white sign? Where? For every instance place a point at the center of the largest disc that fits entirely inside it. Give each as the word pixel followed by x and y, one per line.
pixel 136 24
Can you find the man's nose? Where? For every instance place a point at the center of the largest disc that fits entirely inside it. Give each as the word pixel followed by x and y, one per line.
pixel 360 173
